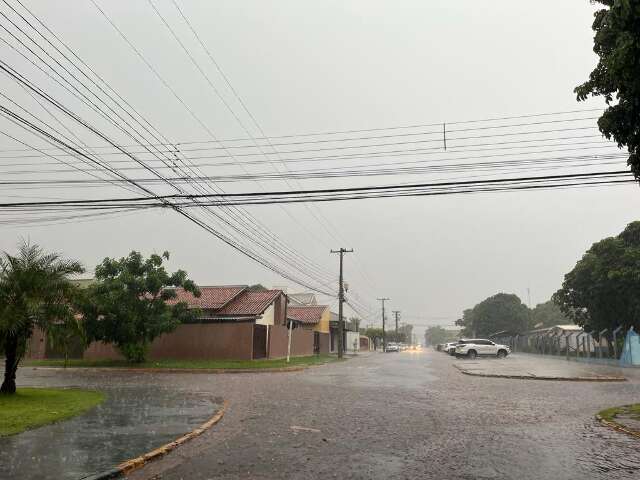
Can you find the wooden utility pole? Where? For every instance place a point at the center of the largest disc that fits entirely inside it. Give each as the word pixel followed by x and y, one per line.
pixel 396 313
pixel 342 251
pixel 384 338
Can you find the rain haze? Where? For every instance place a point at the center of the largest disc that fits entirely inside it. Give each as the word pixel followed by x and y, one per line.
pixel 319 239
pixel 303 67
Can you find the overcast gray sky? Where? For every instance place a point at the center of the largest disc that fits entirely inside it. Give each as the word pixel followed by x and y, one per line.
pixel 303 66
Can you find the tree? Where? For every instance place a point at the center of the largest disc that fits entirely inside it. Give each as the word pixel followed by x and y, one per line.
pixel 548 314
pixel 35 291
pixel 501 312
pixel 375 334
pixel 603 289
pixel 392 336
pixel 467 323
pixel 436 334
pixel 65 333
pixel 130 305
pixel 617 74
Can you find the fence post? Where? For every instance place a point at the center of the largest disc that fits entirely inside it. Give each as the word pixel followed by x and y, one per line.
pixel 600 336
pixel 578 344
pixel 591 343
pixel 615 342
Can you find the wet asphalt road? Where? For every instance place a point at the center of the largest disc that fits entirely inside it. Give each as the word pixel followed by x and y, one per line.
pixel 406 415
pixel 411 416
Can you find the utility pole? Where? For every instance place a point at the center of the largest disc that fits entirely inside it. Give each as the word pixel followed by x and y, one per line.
pixel 342 251
pixel 384 338
pixel 396 313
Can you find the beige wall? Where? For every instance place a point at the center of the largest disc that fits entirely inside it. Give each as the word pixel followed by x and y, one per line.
pixel 278 338
pixel 102 351
pixel 225 341
pixel 232 341
pixel 325 342
pixel 197 341
pixel 36 345
pixel 301 342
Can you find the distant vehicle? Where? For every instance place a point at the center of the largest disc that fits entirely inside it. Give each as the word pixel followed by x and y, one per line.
pixel 392 347
pixel 450 348
pixel 481 347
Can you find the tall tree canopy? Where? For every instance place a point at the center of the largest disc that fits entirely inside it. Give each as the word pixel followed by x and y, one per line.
pixel 603 289
pixel 548 314
pixel 436 334
pixel 35 291
pixel 500 312
pixel 617 74
pixel 128 305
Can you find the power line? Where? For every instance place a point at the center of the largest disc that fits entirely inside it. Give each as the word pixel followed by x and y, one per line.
pixel 134 159
pixel 327 191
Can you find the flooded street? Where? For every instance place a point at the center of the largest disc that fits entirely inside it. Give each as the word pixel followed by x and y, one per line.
pixel 406 415
pixel 137 416
pixel 400 415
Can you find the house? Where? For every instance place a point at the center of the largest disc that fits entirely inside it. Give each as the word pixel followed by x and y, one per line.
pixel 304 298
pixel 350 338
pixel 315 319
pixel 235 322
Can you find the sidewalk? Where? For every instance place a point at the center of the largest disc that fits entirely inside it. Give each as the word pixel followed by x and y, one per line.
pixel 538 367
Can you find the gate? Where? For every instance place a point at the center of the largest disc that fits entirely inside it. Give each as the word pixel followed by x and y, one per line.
pixel 259 341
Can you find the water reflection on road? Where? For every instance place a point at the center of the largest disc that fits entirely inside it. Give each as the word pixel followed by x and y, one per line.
pixel 133 420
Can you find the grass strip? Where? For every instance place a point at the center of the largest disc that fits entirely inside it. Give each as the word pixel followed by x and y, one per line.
pixel 190 364
pixel 33 407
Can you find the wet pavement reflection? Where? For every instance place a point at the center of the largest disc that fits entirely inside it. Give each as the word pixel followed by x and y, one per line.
pixel 132 420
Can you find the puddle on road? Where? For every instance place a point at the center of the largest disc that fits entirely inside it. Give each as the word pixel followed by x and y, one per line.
pixel 131 421
pixel 403 371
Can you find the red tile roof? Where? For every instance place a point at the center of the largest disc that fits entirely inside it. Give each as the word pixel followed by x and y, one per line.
pixel 249 303
pixel 212 297
pixel 306 313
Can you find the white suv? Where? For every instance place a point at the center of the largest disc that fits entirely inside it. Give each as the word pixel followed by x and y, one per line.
pixel 449 348
pixel 477 346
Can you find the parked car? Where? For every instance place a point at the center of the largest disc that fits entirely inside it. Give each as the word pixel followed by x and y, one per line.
pixel 481 347
pixel 450 348
pixel 392 347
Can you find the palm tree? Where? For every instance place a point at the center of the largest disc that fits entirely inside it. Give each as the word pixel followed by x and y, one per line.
pixel 34 292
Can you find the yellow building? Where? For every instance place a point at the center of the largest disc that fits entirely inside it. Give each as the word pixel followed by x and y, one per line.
pixel 316 318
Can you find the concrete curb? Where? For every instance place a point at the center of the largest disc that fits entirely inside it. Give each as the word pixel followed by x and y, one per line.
pixel 547 378
pixel 135 463
pixel 177 370
pixel 616 426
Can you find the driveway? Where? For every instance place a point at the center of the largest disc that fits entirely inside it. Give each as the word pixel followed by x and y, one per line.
pixel 401 415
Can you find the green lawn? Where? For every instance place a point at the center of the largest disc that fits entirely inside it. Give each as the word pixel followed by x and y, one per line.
pixel 34 407
pixel 198 364
pixel 632 410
